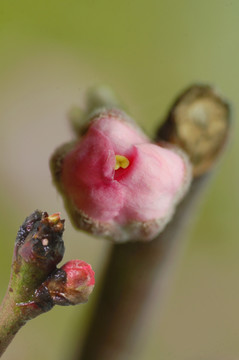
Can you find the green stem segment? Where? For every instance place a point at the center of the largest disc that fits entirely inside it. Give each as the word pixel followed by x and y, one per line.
pixel 14 315
pixel 11 321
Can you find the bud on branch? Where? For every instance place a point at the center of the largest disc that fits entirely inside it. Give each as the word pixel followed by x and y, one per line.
pixel 36 283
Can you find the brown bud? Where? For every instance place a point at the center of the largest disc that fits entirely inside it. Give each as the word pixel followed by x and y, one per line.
pixel 198 123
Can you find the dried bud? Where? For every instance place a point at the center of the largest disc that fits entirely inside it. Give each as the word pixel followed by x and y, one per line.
pixel 36 284
pixel 199 123
pixel 39 241
pixel 118 184
pixel 71 284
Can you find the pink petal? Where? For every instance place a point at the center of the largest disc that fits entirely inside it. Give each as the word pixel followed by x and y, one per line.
pixel 151 184
pixel 88 177
pixel 121 134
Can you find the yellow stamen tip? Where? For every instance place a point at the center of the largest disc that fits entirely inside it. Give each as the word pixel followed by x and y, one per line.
pixel 121 162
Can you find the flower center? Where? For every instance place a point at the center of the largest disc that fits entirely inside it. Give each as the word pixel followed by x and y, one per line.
pixel 121 162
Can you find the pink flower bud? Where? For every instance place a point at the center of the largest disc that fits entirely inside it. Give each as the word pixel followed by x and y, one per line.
pixel 70 285
pixel 79 282
pixel 118 184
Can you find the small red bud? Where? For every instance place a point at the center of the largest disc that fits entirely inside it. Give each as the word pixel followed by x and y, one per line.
pixel 78 273
pixel 71 284
pixel 80 280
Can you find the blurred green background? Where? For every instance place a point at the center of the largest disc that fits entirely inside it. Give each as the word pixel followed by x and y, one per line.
pixel 51 52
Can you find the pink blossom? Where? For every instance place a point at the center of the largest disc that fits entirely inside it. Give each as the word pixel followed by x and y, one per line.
pixel 120 182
